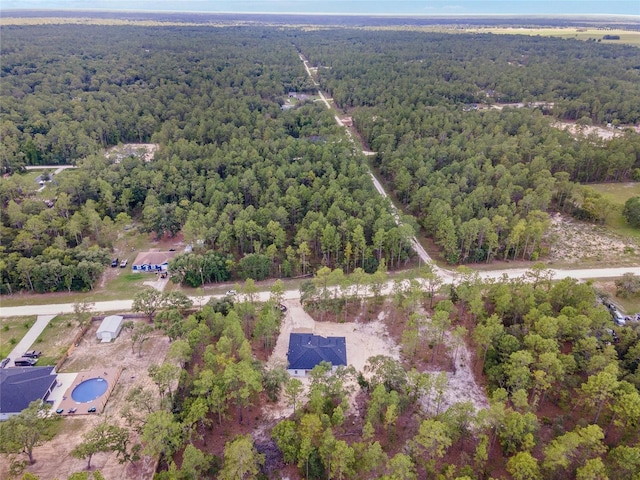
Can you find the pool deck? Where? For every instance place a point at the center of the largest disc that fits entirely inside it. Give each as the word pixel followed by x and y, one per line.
pixel 68 404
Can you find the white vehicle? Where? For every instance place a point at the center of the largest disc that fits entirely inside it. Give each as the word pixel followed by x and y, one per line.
pixel 618 318
pixel 231 293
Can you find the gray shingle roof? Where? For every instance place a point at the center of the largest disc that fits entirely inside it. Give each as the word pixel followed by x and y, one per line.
pixel 307 350
pixel 21 386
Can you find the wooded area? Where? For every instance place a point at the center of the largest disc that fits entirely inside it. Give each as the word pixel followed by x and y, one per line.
pixel 481 181
pixel 281 192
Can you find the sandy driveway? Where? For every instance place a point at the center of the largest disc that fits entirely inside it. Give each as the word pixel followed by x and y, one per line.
pixel 364 340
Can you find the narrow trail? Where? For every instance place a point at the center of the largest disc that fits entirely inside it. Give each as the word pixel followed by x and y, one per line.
pixel 424 256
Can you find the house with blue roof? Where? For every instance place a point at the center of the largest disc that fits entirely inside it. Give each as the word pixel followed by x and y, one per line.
pixel 307 350
pixel 19 386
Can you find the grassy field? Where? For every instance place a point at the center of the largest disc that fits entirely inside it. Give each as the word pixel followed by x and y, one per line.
pixel 627 37
pixel 619 193
pixel 52 342
pixel 55 339
pixel 11 332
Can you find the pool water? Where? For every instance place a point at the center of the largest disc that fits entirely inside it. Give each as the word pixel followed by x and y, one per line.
pixel 89 390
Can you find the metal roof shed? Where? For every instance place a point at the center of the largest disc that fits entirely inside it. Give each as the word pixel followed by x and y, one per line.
pixel 110 328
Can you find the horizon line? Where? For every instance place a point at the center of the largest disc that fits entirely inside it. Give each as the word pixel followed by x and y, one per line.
pixel 331 14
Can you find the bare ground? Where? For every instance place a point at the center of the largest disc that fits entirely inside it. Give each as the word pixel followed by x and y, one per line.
pixel 363 340
pixel 575 243
pixel 145 151
pixel 605 133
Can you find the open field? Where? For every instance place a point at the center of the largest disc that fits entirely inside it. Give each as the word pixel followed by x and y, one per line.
pixel 572 242
pixel 619 193
pixel 627 37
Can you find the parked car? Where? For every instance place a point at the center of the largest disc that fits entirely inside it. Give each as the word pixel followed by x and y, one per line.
pixel 618 318
pixel 123 263
pixel 282 308
pixel 25 362
pixel 114 262
pixel 231 293
pixel 4 362
pixel 32 354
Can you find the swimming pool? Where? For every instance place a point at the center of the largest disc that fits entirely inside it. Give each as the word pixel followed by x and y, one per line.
pixel 89 390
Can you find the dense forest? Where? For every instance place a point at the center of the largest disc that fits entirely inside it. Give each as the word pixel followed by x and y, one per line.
pixel 269 191
pixel 562 385
pixel 277 190
pixel 481 181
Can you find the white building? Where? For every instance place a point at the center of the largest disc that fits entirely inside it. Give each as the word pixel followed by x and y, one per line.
pixel 110 328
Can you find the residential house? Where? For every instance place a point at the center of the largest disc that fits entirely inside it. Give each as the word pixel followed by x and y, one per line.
pixel 307 350
pixel 19 386
pixel 152 261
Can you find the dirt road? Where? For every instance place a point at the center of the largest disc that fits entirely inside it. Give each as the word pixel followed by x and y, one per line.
pixel 447 276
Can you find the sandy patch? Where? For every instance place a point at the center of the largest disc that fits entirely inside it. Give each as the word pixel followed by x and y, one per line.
pixel 146 151
pixel 605 133
pixel 572 241
pixel 462 386
pixel 364 340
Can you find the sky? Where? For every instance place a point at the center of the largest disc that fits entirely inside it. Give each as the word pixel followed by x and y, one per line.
pixel 362 7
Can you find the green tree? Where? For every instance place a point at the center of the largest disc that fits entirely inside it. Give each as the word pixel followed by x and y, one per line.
pixel 569 451
pixel 431 442
pixel 524 466
pixel 273 379
pixel 82 312
pixel 170 322
pixel 593 469
pixel 293 390
pixel 161 434
pixel 285 433
pixel 625 462
pixel 242 383
pixel 165 376
pixel 148 301
pixel 599 388
pixel 517 431
pixel 29 429
pixel 195 463
pixel 487 333
pixel 141 332
pixel 631 211
pixel 241 459
pixel 400 467
pixel 104 437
